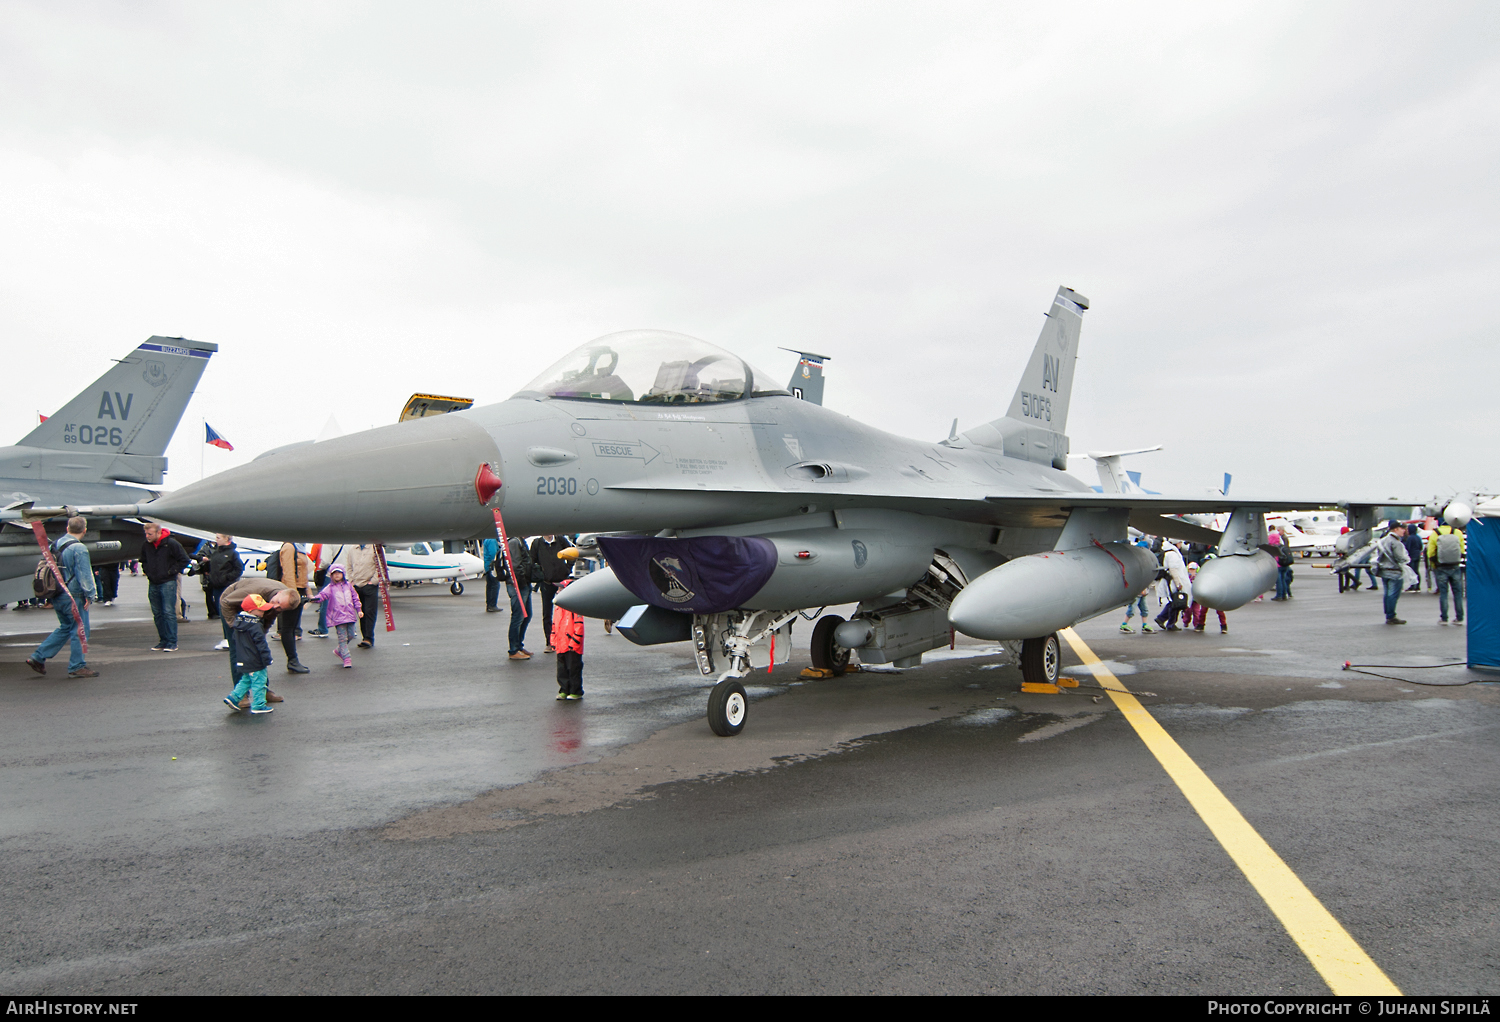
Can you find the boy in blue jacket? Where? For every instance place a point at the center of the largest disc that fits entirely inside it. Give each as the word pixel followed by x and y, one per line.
pixel 254 656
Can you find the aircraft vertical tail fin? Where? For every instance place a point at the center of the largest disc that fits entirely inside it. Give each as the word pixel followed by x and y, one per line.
pixel 807 378
pixel 1042 396
pixel 1033 427
pixel 131 411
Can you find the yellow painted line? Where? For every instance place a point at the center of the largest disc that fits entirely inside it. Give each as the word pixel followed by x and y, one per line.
pixel 1342 963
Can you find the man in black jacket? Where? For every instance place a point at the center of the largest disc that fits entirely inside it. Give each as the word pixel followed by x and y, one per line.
pixel 221 567
pixel 544 551
pixel 162 559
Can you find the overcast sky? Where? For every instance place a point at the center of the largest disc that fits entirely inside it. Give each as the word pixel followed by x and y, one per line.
pixel 1284 215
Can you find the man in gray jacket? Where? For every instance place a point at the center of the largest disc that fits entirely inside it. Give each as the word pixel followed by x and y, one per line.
pixel 1391 560
pixel 78 575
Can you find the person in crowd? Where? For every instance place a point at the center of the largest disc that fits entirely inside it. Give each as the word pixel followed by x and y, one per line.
pixel 1281 549
pixel 1144 543
pixel 1416 550
pixel 320 579
pixel 198 557
pixel 135 566
pixel 1178 587
pixel 1348 575
pixel 1392 563
pixel 341 604
pixel 494 570
pixel 278 596
pixel 295 570
pixel 254 656
pixel 1130 608
pixel 221 567
pixel 72 559
pixel 518 588
pixel 162 559
pixel 544 551
pixel 1446 552
pixel 1198 613
pixel 107 584
pixel 364 575
pixel 566 638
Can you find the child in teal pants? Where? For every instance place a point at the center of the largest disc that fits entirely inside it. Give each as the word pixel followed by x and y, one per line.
pixel 254 656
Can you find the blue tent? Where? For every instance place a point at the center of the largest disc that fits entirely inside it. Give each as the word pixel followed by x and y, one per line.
pixel 1483 538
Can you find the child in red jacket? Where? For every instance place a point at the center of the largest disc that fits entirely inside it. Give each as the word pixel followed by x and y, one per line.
pixel 567 640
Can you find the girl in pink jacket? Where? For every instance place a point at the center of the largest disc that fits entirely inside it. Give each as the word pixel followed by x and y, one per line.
pixel 343 609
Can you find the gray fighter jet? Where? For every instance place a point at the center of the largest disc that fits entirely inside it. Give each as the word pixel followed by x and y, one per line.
pixel 731 508
pixel 114 432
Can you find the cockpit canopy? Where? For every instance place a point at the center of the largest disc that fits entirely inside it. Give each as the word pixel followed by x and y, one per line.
pixel 651 367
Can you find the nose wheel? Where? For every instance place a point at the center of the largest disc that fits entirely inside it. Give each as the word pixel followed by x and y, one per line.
pixel 726 708
pixel 457 588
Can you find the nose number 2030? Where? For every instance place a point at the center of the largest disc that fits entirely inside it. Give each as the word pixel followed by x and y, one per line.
pixel 556 486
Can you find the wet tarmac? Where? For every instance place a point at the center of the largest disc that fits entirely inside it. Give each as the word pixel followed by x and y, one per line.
pixel 434 821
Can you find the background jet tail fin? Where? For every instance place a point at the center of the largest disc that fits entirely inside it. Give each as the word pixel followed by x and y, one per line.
pixel 134 408
pixel 807 378
pixel 1042 397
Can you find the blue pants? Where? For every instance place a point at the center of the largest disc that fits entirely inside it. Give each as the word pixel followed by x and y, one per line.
pixel 323 617
pixel 517 622
pixel 1450 578
pixel 66 632
pixel 163 599
pixel 255 684
pixel 491 590
pixel 1139 601
pixel 1283 582
pixel 1393 587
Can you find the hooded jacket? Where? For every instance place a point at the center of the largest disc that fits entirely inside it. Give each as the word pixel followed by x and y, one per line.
pixel 567 630
pixel 340 598
pixel 163 560
pixel 252 652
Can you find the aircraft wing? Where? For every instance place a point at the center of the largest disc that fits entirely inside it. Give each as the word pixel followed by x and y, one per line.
pixel 1031 510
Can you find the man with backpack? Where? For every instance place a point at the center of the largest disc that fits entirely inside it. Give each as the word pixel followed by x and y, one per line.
pixel 162 558
pixel 1446 551
pixel 293 569
pixel 72 559
pixel 1281 548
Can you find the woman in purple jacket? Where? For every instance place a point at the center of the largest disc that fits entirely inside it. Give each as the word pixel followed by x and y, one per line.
pixel 343 609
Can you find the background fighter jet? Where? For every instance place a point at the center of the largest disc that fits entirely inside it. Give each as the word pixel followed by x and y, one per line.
pixel 736 507
pixel 116 431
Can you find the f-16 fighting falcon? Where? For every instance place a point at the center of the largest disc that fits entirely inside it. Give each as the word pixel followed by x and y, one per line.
pixel 116 431
pixel 730 508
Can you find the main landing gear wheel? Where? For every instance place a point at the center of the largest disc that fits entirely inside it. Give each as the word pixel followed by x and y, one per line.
pixel 828 655
pixel 1041 660
pixel 726 708
pixel 457 589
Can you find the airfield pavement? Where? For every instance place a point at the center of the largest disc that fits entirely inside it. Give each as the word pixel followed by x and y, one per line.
pixel 435 822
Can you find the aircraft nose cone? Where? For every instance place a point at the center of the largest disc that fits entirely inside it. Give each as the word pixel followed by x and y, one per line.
pixel 409 481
